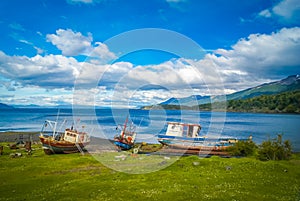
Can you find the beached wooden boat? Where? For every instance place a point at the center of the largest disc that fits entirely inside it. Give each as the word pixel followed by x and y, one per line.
pixel 69 141
pixel 186 137
pixel 125 140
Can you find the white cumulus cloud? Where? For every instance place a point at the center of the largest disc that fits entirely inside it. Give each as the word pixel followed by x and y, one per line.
pixel 69 42
pixel 51 71
pixel 265 13
pixel 263 52
pixel 250 61
pixel 287 8
pixel 74 43
pixel 259 57
pixel 287 11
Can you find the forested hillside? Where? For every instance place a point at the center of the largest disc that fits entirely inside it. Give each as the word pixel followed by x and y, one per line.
pixel 287 102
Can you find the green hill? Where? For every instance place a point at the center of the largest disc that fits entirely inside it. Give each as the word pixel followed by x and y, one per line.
pixel 276 97
pixel 289 83
pixel 286 102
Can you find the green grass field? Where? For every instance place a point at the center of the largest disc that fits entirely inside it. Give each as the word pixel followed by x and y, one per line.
pixel 82 177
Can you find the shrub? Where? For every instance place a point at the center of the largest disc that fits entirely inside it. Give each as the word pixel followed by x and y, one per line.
pixel 275 149
pixel 243 148
pixel 290 108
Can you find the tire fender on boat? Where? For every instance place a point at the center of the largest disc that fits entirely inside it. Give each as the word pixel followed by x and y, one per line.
pixel 135 150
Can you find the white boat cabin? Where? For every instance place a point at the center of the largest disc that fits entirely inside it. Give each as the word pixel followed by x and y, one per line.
pixel 75 137
pixel 183 130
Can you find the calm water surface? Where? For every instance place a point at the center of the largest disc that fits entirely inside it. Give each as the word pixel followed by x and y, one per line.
pixel 102 122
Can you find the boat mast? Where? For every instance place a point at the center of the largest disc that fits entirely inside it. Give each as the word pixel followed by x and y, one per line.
pixel 42 130
pixel 124 128
pixel 54 129
pixel 55 124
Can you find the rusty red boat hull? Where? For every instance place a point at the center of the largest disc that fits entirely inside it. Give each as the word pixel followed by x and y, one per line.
pixel 52 146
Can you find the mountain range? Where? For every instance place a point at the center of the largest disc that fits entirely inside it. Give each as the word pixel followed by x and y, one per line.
pixel 4 106
pixel 289 83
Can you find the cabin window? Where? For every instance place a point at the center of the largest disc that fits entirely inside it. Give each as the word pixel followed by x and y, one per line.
pixel 71 135
pixel 190 131
pixel 174 130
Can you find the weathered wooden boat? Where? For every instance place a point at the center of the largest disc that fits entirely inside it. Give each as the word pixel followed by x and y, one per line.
pixel 125 140
pixel 187 137
pixel 69 141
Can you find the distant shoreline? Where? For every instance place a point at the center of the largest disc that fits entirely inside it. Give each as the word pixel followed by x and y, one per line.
pixel 176 107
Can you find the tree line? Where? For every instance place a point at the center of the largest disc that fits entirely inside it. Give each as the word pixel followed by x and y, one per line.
pixel 287 102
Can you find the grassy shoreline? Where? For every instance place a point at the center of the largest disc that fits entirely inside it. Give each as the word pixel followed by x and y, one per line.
pixel 82 177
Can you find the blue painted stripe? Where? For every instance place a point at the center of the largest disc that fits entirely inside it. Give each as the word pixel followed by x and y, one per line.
pixel 197 139
pixel 125 146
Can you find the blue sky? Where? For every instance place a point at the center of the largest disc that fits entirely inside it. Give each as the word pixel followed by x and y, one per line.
pixel 53 49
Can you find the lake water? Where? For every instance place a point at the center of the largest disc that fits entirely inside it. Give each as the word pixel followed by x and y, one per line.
pixel 102 122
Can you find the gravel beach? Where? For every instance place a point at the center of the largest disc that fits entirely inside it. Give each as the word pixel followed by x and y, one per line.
pixel 19 136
